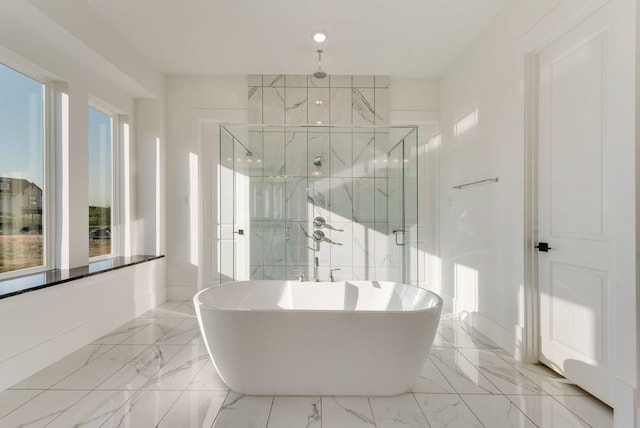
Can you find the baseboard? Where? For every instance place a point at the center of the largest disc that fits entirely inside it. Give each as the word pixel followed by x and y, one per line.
pixel 180 294
pixel 499 335
pixel 625 412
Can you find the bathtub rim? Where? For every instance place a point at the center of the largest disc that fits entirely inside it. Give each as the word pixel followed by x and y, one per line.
pixel 198 303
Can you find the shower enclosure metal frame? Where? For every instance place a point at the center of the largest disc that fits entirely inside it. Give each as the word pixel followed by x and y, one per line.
pixel 354 189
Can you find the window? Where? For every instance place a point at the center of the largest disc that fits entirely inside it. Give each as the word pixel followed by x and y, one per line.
pixel 22 176
pixel 100 183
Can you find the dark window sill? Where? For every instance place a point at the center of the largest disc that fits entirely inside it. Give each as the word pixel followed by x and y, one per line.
pixel 23 284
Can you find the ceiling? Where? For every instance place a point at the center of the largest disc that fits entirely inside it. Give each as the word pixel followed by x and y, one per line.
pixel 389 37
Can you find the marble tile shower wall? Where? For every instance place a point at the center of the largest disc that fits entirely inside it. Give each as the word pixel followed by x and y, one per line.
pixel 291 99
pixel 350 190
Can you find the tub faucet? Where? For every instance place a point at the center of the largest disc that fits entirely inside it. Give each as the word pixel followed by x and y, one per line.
pixel 301 275
pixel 315 270
pixel 331 278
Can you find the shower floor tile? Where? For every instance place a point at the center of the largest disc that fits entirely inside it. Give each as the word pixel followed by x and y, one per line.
pixel 155 371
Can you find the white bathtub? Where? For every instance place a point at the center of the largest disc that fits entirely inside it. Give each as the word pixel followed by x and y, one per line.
pixel 318 338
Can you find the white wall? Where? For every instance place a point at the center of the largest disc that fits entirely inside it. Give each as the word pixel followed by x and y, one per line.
pixel 482 228
pixel 149 219
pixel 51 43
pixel 50 323
pixel 636 325
pixel 187 98
pixel 72 26
pixel 416 99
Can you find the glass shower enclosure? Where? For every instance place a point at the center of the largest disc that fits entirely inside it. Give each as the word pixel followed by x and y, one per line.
pixel 318 202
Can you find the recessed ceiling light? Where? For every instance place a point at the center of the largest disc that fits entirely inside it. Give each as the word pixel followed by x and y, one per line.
pixel 319 122
pixel 319 36
pixel 318 102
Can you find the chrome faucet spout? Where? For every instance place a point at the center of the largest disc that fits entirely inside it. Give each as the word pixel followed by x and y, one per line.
pixel 300 274
pixel 316 264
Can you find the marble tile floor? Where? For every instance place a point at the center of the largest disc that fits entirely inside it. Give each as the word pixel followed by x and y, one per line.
pixel 155 372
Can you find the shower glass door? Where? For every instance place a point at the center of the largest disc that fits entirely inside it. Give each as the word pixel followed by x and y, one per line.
pixel 343 199
pixel 233 249
pixel 403 207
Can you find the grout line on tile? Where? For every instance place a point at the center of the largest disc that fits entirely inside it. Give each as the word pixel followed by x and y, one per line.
pixel 570 410
pixel 373 416
pixel 420 407
pixel 273 399
pixel 442 374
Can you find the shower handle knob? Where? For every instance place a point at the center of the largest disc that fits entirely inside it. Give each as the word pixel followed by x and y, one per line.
pixel 319 222
pixel 318 235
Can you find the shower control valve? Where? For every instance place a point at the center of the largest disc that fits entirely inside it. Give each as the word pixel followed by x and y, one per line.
pixel 318 235
pixel 319 222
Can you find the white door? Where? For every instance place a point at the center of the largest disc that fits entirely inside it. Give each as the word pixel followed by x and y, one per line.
pixel 576 216
pixel 215 239
pixel 231 208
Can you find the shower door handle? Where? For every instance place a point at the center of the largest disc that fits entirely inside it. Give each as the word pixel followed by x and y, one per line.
pixel 397 232
pixel 240 232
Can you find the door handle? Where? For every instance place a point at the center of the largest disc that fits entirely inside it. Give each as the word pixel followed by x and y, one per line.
pixel 240 232
pixel 543 246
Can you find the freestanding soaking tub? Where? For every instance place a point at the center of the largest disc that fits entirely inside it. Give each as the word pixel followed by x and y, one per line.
pixel 318 338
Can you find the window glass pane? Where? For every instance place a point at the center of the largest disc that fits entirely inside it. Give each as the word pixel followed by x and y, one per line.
pixel 99 183
pixel 21 171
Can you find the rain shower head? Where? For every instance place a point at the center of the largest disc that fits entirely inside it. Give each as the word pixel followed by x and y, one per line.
pixel 320 74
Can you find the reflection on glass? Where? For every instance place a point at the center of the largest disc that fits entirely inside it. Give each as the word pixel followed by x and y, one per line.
pixel 99 183
pixel 21 171
pixel 276 180
pixel 100 266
